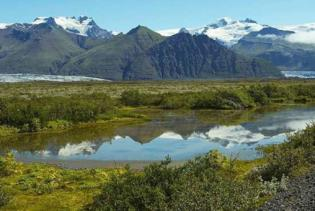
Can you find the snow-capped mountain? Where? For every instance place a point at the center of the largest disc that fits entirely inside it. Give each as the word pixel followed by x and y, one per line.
pixel 225 30
pixel 82 25
pixel 228 31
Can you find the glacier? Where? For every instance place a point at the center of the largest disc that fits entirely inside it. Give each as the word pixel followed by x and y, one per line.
pixel 228 31
pixel 15 78
pixel 299 74
pixel 225 30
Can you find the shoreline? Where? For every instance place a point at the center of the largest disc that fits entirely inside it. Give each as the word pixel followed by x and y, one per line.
pixel 98 164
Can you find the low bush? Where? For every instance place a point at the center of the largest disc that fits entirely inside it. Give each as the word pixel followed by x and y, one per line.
pixel 9 166
pixel 238 98
pixel 292 156
pixel 34 114
pixel 58 124
pixel 4 197
pixel 206 183
pixel 258 94
pixel 7 131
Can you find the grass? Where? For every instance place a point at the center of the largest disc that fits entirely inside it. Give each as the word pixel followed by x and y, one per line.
pixel 115 89
pixel 40 187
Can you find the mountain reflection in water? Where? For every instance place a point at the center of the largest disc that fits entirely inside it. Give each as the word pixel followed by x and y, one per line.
pixel 182 136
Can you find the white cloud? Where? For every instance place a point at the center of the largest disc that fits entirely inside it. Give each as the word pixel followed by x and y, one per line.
pixel 307 37
pixel 237 134
pixel 76 149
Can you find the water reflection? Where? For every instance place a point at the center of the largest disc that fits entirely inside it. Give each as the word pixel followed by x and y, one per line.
pixel 180 135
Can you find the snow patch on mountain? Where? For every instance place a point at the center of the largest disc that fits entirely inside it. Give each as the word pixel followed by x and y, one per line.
pixel 84 26
pixel 79 26
pixel 168 32
pixel 4 25
pixel 225 30
pixel 70 24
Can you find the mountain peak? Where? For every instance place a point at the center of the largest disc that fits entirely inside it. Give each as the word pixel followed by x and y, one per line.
pixel 84 18
pixel 139 30
pixel 224 21
pixel 41 20
pixel 248 20
pixel 184 30
pixel 83 25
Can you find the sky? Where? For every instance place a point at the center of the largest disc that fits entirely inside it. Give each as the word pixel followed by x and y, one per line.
pixel 122 15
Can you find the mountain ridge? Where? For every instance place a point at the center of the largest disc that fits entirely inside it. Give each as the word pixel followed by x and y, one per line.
pixel 69 46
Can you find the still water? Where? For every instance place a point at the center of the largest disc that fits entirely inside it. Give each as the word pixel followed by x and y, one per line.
pixel 181 135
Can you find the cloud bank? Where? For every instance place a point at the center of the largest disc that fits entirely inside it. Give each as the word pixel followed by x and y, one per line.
pixel 302 37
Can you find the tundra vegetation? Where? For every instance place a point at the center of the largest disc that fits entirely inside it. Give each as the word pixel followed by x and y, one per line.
pixel 26 108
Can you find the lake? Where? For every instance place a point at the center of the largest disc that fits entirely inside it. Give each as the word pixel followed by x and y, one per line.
pixel 180 135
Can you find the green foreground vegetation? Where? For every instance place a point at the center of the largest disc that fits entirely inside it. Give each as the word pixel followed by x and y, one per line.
pixel 210 182
pixel 37 107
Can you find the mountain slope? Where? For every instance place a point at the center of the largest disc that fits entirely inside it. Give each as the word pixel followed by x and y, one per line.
pixel 275 46
pixel 69 46
pixel 184 56
pixel 41 48
pixel 111 59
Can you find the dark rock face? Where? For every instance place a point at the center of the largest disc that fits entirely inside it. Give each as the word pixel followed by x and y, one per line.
pixel 271 31
pixel 183 56
pixel 20 35
pixel 299 196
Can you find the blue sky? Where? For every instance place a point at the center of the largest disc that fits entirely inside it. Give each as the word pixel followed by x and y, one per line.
pixel 122 15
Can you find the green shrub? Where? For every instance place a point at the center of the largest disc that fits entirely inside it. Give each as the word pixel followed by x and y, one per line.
pixel 41 182
pixel 258 95
pixel 172 101
pixel 132 98
pixel 286 159
pixel 4 197
pixel 58 124
pixel 276 91
pixel 34 114
pixel 202 184
pixel 7 131
pixel 303 91
pixel 8 165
